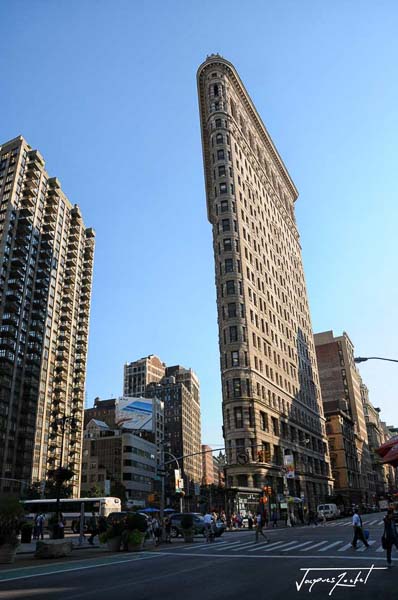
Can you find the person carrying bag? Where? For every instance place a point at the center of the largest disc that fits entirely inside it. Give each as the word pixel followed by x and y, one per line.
pixel 390 535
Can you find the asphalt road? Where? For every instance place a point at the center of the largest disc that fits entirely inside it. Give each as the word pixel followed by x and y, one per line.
pixel 232 567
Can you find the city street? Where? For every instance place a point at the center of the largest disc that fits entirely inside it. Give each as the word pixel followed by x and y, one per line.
pixel 228 568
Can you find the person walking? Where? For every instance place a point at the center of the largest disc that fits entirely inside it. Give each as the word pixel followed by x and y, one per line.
pixel 358 530
pixel 390 535
pixel 323 517
pixel 250 521
pixel 93 528
pixel 39 527
pixel 167 528
pixel 208 522
pixel 259 527
pixel 274 519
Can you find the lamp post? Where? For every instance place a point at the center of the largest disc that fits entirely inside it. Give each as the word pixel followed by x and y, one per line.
pixel 360 359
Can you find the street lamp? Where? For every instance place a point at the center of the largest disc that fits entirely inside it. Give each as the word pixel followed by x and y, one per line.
pixel 360 359
pixel 63 422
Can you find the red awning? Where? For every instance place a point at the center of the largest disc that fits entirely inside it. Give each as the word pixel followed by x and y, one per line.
pixel 387 446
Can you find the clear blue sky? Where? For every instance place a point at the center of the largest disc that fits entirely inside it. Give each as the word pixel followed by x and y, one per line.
pixel 107 92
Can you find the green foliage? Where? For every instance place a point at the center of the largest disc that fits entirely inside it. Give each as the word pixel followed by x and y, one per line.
pixel 133 538
pixel 114 530
pixel 94 492
pixel 187 522
pixel 118 490
pixel 136 522
pixel 26 527
pixel 11 515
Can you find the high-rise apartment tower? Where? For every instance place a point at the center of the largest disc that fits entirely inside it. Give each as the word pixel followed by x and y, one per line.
pixel 46 262
pixel 272 408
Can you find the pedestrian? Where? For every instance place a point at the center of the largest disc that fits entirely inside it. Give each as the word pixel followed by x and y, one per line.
pixel 93 528
pixel 250 521
pixel 358 531
pixel 167 527
pixel 157 532
pixel 312 520
pixel 61 526
pixel 323 517
pixel 260 522
pixel 274 519
pixel 390 535
pixel 208 522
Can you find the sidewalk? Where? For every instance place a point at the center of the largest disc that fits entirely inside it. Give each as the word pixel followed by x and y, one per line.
pixel 31 548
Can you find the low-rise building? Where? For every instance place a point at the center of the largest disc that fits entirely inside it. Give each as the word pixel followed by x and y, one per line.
pixel 117 456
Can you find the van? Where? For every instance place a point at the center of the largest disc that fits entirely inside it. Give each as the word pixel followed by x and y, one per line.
pixel 329 510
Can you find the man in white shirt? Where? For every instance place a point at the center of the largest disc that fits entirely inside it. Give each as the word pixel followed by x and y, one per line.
pixel 358 531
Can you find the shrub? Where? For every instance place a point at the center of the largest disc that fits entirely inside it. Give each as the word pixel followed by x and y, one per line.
pixel 136 522
pixel 187 521
pixel 113 531
pixel 11 514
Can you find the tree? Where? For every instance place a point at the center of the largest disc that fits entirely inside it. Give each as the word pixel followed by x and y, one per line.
pixel 94 492
pixel 118 490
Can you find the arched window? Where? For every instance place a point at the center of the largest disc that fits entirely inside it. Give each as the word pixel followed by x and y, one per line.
pixel 215 89
pixel 219 138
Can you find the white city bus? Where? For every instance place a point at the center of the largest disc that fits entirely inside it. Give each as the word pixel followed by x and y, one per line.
pixel 71 507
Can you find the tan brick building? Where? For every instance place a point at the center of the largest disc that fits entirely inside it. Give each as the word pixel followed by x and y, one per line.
pixel 272 405
pixel 340 380
pixel 208 476
pixel 46 265
pixel 139 373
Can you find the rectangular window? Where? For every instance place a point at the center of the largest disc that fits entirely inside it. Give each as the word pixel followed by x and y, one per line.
pixel 227 245
pixel 230 288
pixel 220 154
pixel 221 170
pixel 229 265
pixel 233 333
pixel 235 358
pixel 226 226
pixel 224 206
pixel 223 188
pixel 238 416
pixel 264 421
pixel 231 310
pixel 237 387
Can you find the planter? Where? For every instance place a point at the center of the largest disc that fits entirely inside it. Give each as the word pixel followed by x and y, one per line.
pixel 26 535
pixel 188 535
pixel 7 553
pixel 135 547
pixel 53 548
pixel 114 543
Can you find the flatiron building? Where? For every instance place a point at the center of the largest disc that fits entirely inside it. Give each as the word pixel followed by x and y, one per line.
pixel 274 426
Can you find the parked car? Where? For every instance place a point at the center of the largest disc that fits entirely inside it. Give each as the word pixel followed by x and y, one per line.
pixel 329 510
pixel 198 523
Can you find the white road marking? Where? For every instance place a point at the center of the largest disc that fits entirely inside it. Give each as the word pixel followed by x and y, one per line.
pixel 297 546
pixel 344 547
pixel 284 545
pixel 363 548
pixel 268 546
pixel 380 549
pixel 315 546
pixel 330 546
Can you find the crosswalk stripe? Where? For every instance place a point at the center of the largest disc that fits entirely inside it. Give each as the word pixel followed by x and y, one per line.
pixel 314 546
pixel 297 546
pixel 247 545
pixel 380 549
pixel 268 546
pixel 227 545
pixel 363 548
pixel 380 523
pixel 330 546
pixel 203 545
pixel 372 522
pixel 284 545
pixel 344 547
